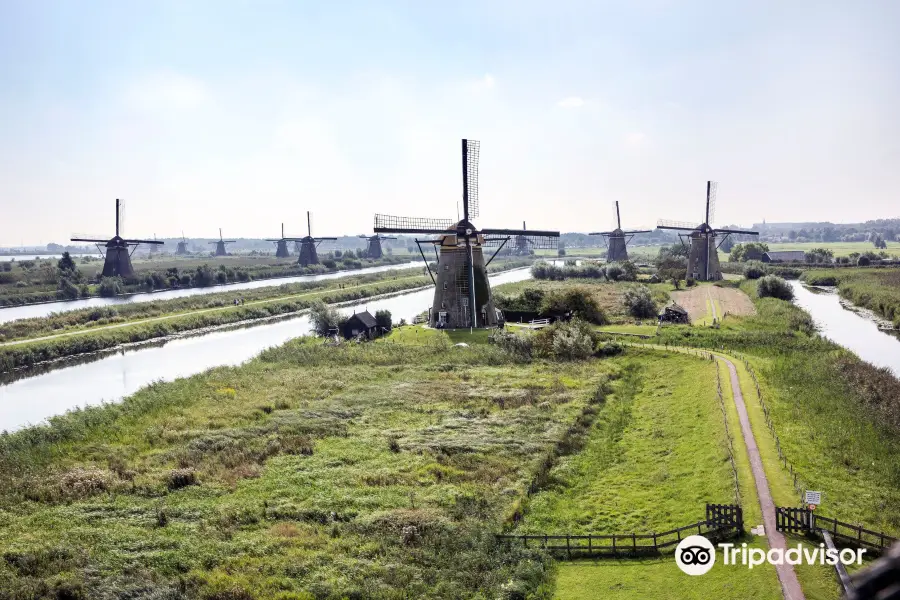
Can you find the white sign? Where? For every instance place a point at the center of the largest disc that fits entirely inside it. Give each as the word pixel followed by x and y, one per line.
pixel 813 498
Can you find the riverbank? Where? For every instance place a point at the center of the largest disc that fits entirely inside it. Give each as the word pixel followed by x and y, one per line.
pixel 30 351
pixel 875 289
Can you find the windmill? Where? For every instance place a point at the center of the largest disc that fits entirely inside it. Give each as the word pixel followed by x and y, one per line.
pixel 373 245
pixel 462 296
pixel 182 246
pixel 220 244
pixel 703 259
pixel 617 239
pixel 523 246
pixel 118 258
pixel 309 244
pixel 281 248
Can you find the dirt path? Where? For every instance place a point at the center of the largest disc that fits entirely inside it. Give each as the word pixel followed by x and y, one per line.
pixel 698 300
pixel 190 313
pixel 790 586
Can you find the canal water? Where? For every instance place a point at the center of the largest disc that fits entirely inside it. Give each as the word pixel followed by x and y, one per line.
pixel 107 378
pixel 849 328
pixel 42 310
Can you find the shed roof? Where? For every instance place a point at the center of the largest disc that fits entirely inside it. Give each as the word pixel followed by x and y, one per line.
pixel 364 318
pixel 676 308
pixel 787 255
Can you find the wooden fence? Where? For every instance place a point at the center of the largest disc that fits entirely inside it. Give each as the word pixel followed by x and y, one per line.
pixel 722 521
pixel 803 521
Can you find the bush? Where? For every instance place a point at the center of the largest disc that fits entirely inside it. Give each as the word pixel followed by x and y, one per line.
pixel 614 272
pixel 754 270
pixel 517 345
pixel 68 290
pixel 572 340
pixel 863 261
pixel 204 276
pixel 639 302
pixel 771 286
pixel 180 478
pixel 111 286
pixel 578 300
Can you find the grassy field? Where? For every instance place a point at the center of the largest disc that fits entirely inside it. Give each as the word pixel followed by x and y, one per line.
pixel 311 472
pixel 839 248
pixel 875 289
pixel 655 456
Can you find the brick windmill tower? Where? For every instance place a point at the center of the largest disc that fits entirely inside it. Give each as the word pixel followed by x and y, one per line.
pixel 118 256
pixel 281 244
pixel 703 259
pixel 617 240
pixel 462 294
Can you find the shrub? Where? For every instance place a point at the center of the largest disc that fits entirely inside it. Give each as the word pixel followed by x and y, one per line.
pixel 517 345
pixel 614 272
pixel 771 286
pixel 578 300
pixel 180 478
pixel 754 270
pixel 572 340
pixel 863 261
pixel 111 286
pixel 639 302
pixel 68 290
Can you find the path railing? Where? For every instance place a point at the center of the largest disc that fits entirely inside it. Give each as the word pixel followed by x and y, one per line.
pixel 722 521
pixel 803 521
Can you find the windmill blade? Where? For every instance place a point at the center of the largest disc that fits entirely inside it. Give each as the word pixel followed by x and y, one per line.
pixel 387 237
pixel 736 231
pixel 601 233
pixel 470 152
pixel 89 237
pixel 667 224
pixel 324 239
pixel 544 240
pixel 634 231
pixel 136 242
pixel 393 224
pixel 711 187
pixel 617 219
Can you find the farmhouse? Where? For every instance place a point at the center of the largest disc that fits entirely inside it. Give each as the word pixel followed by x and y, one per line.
pixel 784 256
pixel 361 323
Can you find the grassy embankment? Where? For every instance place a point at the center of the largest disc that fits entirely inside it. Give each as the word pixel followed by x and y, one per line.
pixel 38 280
pixel 875 289
pixel 375 471
pixel 170 317
pixel 656 454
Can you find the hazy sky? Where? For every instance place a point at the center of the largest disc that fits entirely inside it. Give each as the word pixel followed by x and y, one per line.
pixel 243 114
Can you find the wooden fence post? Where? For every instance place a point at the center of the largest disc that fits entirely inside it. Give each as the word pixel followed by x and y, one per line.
pixel 568 546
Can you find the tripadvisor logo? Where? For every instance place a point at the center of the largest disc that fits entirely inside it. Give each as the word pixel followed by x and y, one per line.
pixel 695 555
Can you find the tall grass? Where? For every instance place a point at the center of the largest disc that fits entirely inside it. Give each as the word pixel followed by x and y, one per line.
pixel 875 289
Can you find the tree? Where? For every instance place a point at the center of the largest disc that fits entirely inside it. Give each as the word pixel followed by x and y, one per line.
pixel 66 263
pixel 819 255
pixel 754 270
pixel 639 302
pixel 727 244
pixel 383 319
pixel 111 286
pixel 748 251
pixel 68 290
pixel 326 320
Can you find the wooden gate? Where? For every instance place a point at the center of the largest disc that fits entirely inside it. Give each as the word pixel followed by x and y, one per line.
pixel 792 520
pixel 725 516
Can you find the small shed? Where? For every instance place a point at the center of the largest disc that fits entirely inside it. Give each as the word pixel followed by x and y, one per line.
pixel 674 313
pixel 784 256
pixel 361 323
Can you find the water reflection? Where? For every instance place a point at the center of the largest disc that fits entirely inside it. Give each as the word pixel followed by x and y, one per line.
pixel 849 329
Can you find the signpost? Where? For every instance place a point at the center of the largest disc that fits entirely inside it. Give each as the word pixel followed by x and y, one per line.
pixel 812 500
